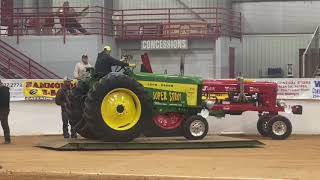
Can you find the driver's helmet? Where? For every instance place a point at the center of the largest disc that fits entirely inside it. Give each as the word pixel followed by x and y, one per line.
pixel 107 48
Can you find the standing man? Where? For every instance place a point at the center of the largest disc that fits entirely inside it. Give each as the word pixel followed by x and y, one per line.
pixel 61 101
pixel 80 68
pixel 105 61
pixel 4 111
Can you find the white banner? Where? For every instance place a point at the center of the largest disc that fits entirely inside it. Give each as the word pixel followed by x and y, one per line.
pixel 294 88
pixel 16 88
pixel 315 89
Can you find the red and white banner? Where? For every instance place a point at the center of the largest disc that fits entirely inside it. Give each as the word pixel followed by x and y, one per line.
pixel 297 88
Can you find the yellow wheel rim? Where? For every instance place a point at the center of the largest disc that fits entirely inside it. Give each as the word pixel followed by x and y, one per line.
pixel 121 109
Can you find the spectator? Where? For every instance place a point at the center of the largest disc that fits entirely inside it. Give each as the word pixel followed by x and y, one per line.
pixel 61 100
pixel 68 19
pixel 80 71
pixel 4 111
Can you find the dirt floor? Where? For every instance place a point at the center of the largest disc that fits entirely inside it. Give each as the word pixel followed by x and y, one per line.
pixel 295 158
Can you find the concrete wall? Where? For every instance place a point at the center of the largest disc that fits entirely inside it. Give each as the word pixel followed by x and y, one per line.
pixel 262 51
pixel 192 15
pixel 222 56
pixel 279 16
pixel 27 118
pixel 199 58
pixel 61 58
pixel 198 62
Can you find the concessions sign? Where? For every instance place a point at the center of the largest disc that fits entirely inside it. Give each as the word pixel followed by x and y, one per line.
pixel 164 44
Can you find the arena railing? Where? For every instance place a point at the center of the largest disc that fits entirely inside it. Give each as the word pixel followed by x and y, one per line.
pixel 176 23
pixel 126 24
pixel 20 64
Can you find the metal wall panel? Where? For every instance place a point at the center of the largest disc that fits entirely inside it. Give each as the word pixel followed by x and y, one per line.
pixel 279 17
pixel 75 3
pixel 262 51
pixel 135 4
pixel 56 56
pixel 199 58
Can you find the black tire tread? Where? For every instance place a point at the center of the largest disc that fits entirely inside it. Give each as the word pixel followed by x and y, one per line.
pixel 263 131
pixel 286 121
pixel 92 105
pixel 186 126
pixel 75 110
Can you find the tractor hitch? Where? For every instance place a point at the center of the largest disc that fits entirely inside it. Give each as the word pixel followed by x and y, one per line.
pixel 296 109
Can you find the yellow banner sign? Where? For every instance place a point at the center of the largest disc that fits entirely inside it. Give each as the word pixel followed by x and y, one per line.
pixel 42 89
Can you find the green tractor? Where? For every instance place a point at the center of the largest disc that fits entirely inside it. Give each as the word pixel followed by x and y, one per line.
pixel 123 105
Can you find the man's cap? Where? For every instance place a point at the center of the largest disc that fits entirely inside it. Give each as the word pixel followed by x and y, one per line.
pixel 107 48
pixel 66 78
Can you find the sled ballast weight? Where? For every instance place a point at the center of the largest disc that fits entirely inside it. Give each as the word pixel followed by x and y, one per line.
pixel 122 105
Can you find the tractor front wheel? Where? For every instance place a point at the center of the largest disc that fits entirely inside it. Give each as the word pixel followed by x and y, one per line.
pixel 262 125
pixel 279 127
pixel 195 127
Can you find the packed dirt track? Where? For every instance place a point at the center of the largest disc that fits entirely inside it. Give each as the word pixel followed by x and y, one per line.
pixel 295 158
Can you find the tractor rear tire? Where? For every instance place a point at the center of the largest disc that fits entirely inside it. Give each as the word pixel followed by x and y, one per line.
pixel 262 125
pixel 117 108
pixel 195 127
pixel 279 127
pixel 75 103
pixel 86 132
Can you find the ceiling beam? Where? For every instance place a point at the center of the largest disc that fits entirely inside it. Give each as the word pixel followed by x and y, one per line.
pixel 191 10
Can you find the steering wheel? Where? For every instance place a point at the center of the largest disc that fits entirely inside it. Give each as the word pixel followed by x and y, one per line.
pixel 118 68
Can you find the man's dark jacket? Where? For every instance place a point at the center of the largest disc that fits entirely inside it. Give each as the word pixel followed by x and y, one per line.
pixel 61 97
pixel 4 98
pixel 105 62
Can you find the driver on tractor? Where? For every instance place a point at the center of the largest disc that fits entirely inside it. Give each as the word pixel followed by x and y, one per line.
pixel 105 61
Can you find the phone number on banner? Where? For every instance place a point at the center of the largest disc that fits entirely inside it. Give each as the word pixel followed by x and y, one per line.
pixel 16 89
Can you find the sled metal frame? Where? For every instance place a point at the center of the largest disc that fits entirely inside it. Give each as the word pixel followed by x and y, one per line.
pixel 155 143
